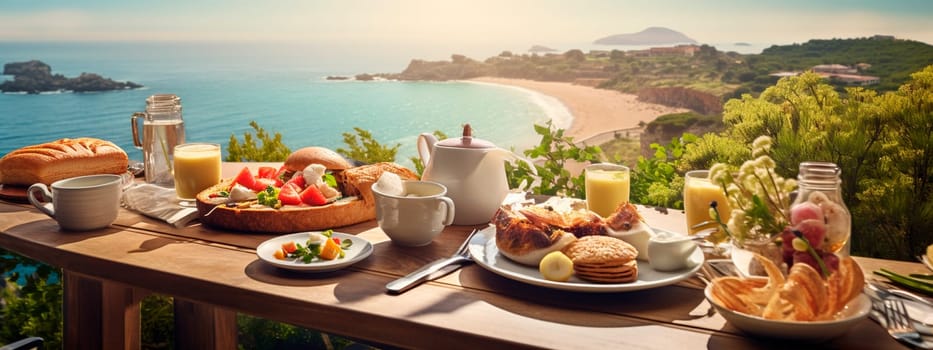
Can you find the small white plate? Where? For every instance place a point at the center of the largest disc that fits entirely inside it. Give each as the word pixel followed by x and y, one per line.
pixel 360 249
pixel 814 331
pixel 486 254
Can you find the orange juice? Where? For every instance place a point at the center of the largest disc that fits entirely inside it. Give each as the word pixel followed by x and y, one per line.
pixel 607 186
pixel 698 193
pixel 197 167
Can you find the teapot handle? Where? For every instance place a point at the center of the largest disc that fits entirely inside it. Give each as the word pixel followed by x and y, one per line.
pixel 426 143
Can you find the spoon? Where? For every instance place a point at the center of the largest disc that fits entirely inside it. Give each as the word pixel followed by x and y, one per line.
pixel 703 224
pixel 135 167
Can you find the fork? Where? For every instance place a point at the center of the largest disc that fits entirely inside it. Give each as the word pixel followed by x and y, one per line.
pixel 898 323
pixel 434 269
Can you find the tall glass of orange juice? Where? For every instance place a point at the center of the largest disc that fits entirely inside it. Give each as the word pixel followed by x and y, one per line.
pixel 607 186
pixel 698 193
pixel 197 167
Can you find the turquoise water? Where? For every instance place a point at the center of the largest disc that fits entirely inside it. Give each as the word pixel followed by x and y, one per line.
pixel 224 86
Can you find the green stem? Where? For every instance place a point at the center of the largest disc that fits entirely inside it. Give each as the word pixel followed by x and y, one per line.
pixel 823 270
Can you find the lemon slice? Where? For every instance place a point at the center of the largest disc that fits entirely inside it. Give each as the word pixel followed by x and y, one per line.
pixel 555 266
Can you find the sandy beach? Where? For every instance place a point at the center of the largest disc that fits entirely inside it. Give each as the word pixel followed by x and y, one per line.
pixel 594 110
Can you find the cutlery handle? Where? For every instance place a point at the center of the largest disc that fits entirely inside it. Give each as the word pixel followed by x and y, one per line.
pixel 911 296
pixel 430 271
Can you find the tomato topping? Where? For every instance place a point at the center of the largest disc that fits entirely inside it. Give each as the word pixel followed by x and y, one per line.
pixel 280 176
pixel 245 179
pixel 267 172
pixel 279 254
pixel 289 195
pixel 289 247
pixel 298 180
pixel 313 196
pixel 261 184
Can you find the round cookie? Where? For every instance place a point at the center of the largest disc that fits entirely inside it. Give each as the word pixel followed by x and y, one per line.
pixel 603 259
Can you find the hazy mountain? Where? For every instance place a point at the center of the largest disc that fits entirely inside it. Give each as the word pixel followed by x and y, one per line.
pixel 649 36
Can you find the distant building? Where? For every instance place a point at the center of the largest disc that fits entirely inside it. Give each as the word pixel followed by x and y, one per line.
pixel 854 79
pixel 784 74
pixel 834 69
pixel 837 73
pixel 682 50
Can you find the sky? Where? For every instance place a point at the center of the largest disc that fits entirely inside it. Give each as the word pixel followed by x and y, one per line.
pixel 458 23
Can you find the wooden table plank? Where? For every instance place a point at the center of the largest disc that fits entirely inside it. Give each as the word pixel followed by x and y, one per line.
pixel 471 306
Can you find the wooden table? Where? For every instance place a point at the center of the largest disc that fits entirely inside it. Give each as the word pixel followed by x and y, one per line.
pixel 107 272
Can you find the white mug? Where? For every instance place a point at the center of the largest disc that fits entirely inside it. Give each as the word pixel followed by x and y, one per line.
pixel 417 215
pixel 80 203
pixel 670 252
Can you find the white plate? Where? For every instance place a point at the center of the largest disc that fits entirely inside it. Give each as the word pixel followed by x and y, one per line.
pixel 486 254
pixel 814 331
pixel 360 249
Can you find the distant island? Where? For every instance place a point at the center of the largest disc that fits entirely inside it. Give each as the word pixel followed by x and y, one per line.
pixel 35 76
pixel 649 36
pixel 540 49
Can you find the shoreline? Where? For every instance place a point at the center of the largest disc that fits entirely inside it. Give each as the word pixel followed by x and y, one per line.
pixel 592 111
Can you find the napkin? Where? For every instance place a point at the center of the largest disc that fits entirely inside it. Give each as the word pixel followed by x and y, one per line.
pixel 158 202
pixel 390 183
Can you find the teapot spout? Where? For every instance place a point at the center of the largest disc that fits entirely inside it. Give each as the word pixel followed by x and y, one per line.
pixel 426 143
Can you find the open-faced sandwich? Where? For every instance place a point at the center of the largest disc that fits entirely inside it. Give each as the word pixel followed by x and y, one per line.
pixel 315 189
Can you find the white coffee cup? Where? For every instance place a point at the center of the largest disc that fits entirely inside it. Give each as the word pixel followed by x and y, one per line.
pixel 80 203
pixel 415 216
pixel 670 252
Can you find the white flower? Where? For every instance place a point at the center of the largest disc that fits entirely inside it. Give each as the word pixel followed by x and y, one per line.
pixel 761 145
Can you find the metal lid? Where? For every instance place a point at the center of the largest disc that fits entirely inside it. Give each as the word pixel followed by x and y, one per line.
pixel 466 141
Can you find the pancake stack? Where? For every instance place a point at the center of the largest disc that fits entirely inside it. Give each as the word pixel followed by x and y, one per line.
pixel 603 259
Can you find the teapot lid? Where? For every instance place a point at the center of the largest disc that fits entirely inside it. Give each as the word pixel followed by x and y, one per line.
pixel 466 141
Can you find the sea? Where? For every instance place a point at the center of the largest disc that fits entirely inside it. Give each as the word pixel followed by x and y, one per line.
pixel 282 86
pixel 223 87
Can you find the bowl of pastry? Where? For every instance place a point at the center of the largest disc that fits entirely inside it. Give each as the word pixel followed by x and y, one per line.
pixel 802 306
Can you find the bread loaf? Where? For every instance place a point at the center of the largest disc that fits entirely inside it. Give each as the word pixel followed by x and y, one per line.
pixel 61 159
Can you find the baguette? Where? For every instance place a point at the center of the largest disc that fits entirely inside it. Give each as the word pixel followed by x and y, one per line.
pixel 357 206
pixel 61 159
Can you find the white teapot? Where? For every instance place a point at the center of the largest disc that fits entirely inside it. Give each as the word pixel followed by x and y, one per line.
pixel 473 171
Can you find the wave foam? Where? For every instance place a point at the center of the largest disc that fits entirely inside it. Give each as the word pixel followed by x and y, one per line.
pixel 553 109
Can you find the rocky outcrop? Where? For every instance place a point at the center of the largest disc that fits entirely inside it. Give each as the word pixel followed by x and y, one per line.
pixel 35 76
pixel 678 96
pixel 458 68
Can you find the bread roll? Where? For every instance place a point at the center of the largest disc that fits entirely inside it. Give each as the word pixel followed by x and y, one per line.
pixel 301 158
pixel 61 159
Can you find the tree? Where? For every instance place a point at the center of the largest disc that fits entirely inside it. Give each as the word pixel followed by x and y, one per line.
pixel 882 143
pixel 575 55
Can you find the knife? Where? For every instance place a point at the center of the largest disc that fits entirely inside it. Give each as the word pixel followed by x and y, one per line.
pixel 433 270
